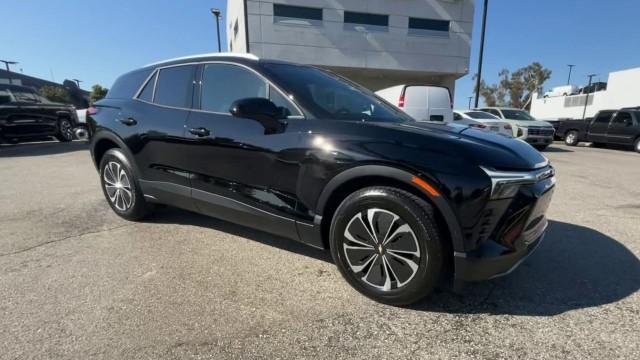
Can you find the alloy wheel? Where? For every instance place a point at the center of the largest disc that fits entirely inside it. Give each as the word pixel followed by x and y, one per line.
pixel 381 249
pixel 118 186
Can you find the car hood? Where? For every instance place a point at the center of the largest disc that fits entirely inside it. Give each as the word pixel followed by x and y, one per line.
pixel 528 123
pixel 480 147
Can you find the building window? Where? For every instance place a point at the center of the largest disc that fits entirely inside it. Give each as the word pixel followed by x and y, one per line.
pixel 428 27
pixel 365 22
pixel 296 15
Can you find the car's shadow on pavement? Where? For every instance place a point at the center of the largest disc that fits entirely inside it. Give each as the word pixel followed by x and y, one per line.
pixel 49 147
pixel 555 149
pixel 575 267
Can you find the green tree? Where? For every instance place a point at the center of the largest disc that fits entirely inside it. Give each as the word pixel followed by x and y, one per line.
pixel 515 89
pixel 54 93
pixel 97 93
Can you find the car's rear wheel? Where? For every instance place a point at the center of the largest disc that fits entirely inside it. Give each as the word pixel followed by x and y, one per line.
pixel 65 130
pixel 571 138
pixel 121 188
pixel 386 244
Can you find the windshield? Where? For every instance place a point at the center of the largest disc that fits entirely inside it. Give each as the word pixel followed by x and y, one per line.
pixel 481 115
pixel 516 114
pixel 329 96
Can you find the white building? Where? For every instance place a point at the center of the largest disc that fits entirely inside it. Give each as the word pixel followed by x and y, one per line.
pixel 623 90
pixel 377 43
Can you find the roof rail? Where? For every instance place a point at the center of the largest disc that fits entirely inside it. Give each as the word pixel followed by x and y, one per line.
pixel 206 55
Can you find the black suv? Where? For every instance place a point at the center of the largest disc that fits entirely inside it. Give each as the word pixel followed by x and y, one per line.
pixel 299 152
pixel 25 115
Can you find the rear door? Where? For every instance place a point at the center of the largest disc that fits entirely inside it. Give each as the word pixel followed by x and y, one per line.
pixel 154 129
pixel 599 127
pixel 621 130
pixel 439 101
pixel 416 102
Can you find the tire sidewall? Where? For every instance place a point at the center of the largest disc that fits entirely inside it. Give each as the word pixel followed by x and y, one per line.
pixel 636 145
pixel 62 136
pixel 429 268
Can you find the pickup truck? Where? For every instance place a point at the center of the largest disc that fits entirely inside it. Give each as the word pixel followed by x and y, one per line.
pixel 618 127
pixel 24 114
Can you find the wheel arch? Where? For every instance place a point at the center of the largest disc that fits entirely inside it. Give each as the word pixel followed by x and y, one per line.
pixel 360 177
pixel 104 141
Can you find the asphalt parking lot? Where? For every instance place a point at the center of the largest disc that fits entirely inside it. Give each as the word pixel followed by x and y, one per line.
pixel 78 282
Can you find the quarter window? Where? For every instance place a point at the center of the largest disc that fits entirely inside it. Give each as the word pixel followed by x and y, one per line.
pixel 174 86
pixel 147 92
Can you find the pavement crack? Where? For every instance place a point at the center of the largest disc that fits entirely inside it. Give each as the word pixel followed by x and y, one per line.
pixel 63 239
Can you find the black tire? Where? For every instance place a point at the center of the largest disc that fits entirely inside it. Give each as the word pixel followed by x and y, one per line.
pixel 571 138
pixel 423 234
pixel 65 130
pixel 116 174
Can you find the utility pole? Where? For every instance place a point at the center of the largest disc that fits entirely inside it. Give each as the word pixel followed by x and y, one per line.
pixel 6 64
pixel 216 13
pixel 470 98
pixel 570 68
pixel 484 26
pixel 586 100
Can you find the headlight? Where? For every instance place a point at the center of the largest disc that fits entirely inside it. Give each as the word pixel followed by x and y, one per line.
pixel 505 184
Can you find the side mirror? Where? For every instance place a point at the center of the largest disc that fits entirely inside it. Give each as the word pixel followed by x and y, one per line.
pixel 261 110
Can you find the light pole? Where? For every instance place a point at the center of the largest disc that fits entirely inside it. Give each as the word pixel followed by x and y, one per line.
pixel 570 68
pixel 6 64
pixel 586 100
pixel 470 98
pixel 216 13
pixel 484 26
pixel 77 82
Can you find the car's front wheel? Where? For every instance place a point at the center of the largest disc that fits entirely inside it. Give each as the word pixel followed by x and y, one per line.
pixel 65 130
pixel 387 245
pixel 571 138
pixel 121 188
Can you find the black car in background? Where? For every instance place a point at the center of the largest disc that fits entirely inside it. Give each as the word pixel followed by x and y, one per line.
pixel 299 152
pixel 607 127
pixel 24 114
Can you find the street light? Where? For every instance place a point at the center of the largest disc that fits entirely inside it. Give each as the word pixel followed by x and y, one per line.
pixel 6 64
pixel 484 26
pixel 586 100
pixel 570 68
pixel 216 13
pixel 470 97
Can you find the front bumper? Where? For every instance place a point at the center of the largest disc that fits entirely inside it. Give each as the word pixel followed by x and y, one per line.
pixel 492 260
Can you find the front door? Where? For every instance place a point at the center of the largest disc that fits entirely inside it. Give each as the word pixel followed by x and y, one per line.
pixel 621 129
pixel 239 172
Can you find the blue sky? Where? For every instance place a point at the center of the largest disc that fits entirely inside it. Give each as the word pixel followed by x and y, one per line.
pixel 95 41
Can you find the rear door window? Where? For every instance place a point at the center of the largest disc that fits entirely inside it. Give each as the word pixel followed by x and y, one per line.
pixel 175 86
pixel 603 118
pixel 147 93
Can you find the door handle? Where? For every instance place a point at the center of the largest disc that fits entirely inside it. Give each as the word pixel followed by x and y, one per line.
pixel 128 121
pixel 200 132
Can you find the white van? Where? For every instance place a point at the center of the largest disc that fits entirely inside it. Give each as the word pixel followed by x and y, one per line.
pixel 422 102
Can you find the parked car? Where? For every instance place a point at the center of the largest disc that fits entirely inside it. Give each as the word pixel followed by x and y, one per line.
pixel 564 90
pixel 483 121
pixel 299 152
pixel 537 133
pixel 618 127
pixel 24 114
pixel 421 102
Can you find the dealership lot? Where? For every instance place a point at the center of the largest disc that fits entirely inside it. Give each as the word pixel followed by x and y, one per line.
pixel 76 281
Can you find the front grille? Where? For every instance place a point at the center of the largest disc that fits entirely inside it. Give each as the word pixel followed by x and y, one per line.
pixel 540 132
